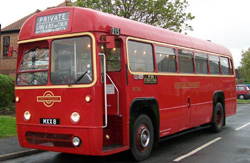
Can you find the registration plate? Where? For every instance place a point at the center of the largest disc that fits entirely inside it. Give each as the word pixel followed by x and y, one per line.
pixel 49 121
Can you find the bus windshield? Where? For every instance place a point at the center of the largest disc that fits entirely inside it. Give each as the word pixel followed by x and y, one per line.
pixel 70 59
pixel 34 67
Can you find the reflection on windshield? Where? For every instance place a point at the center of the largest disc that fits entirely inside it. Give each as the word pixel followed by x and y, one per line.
pixel 70 58
pixel 34 60
pixel 33 78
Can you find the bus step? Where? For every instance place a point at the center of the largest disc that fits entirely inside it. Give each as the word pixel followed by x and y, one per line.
pixel 113 134
pixel 111 147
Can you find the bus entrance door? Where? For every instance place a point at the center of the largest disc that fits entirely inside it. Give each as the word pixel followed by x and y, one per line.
pixel 113 130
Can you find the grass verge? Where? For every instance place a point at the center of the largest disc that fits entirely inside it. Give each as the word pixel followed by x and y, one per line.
pixel 243 101
pixel 7 126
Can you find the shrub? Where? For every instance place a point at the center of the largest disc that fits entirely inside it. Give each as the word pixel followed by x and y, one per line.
pixel 7 90
pixel 8 110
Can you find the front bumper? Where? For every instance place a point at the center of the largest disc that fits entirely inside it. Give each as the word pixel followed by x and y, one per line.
pixel 59 139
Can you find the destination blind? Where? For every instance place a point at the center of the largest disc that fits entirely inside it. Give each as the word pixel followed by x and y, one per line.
pixel 52 23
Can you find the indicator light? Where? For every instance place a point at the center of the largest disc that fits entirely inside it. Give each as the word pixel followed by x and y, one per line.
pixel 88 98
pixel 17 99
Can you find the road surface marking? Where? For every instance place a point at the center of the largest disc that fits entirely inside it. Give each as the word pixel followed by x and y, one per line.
pixel 242 126
pixel 197 149
pixel 240 106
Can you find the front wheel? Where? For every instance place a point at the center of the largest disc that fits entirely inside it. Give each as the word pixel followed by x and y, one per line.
pixel 218 118
pixel 142 139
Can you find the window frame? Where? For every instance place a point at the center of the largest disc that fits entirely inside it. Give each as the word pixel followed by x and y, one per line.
pixel 102 47
pixel 6 46
pixel 92 59
pixel 35 70
pixel 228 64
pixel 231 67
pixel 218 65
pixel 152 52
pixel 207 61
pixel 193 61
pixel 175 54
pixel 41 45
pixel 177 48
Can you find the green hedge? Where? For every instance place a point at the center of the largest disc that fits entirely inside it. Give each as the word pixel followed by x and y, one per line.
pixel 7 90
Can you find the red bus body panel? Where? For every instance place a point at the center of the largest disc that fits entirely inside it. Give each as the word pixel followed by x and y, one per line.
pixel 171 91
pixel 91 20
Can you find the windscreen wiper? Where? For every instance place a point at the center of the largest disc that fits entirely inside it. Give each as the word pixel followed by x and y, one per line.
pixel 79 78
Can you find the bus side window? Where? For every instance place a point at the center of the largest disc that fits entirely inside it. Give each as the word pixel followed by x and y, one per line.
pixel 166 59
pixel 113 57
pixel 186 61
pixel 224 65
pixel 201 62
pixel 231 67
pixel 214 63
pixel 140 56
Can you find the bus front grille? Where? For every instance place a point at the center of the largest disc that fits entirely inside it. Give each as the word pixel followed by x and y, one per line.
pixel 49 139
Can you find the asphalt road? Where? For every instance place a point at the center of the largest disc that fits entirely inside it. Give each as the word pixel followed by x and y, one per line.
pixel 232 145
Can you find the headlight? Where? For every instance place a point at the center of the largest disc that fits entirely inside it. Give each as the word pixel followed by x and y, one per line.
pixel 27 115
pixel 76 142
pixel 75 117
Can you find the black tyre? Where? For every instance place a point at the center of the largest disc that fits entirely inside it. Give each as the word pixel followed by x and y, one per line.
pixel 242 97
pixel 142 138
pixel 218 118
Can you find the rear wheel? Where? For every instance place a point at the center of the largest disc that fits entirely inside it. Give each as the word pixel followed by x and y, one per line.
pixel 142 139
pixel 218 118
pixel 241 97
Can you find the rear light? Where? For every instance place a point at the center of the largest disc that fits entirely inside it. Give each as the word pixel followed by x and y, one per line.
pixel 27 115
pixel 75 117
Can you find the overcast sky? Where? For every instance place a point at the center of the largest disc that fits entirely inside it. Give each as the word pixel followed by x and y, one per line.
pixel 13 10
pixel 222 21
pixel 226 22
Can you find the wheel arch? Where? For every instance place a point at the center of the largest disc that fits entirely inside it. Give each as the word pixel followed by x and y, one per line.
pixel 148 106
pixel 219 96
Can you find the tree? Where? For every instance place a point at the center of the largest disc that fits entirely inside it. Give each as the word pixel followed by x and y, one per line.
pixel 244 68
pixel 169 14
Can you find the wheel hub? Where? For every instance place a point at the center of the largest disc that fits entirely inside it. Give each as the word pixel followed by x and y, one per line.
pixel 142 138
pixel 219 117
pixel 145 137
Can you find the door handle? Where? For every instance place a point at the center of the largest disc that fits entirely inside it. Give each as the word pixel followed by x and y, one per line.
pixel 188 102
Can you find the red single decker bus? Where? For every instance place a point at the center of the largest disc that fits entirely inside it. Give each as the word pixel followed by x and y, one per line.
pixel 91 83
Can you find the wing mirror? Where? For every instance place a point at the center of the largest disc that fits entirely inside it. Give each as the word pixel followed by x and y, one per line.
pixel 10 53
pixel 110 42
